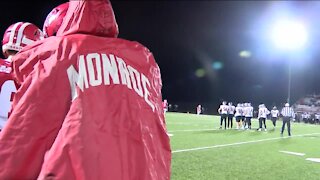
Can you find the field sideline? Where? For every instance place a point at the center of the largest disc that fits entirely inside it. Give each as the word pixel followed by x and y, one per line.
pixel 201 151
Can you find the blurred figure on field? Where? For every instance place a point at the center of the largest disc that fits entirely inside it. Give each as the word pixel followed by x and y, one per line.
pixel 304 117
pixel 231 110
pixel 238 115
pixel 317 118
pixel 243 118
pixel 262 116
pixel 248 115
pixel 244 121
pixel 274 115
pixel 308 117
pixel 287 114
pixel 165 105
pixel 223 111
pixel 199 109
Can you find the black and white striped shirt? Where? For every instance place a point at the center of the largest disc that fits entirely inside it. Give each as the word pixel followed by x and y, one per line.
pixel 287 112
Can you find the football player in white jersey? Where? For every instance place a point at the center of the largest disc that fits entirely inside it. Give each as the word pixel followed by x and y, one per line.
pixel 274 116
pixel 199 109
pixel 262 116
pixel 248 115
pixel 238 115
pixel 223 111
pixel 16 37
pixel 243 119
pixel 304 117
pixel 317 118
pixel 231 110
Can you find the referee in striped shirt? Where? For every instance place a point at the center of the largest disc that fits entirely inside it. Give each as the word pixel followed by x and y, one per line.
pixel 288 114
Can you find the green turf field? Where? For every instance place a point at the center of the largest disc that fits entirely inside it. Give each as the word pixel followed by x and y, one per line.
pixel 201 151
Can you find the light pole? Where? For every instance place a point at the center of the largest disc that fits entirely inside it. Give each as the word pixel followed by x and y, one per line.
pixel 289 83
pixel 290 37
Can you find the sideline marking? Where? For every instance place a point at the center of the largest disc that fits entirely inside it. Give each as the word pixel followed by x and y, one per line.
pixel 293 153
pixel 240 143
pixel 194 130
pixel 314 159
pixel 170 134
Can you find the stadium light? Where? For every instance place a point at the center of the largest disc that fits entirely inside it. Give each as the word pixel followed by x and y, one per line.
pixel 289 36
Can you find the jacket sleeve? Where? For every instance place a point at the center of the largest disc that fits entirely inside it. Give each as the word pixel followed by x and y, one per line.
pixel 39 108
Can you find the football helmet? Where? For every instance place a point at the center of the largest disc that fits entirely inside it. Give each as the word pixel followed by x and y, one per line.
pixel 19 35
pixel 55 19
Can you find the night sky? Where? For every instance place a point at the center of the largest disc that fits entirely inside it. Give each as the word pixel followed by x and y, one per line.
pixel 197 45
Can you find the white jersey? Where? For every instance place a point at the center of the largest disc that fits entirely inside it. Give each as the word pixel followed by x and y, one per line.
pixel 7 89
pixel 317 116
pixel 223 109
pixel 263 112
pixel 274 113
pixel 248 111
pixel 308 116
pixel 304 116
pixel 239 111
pixel 231 109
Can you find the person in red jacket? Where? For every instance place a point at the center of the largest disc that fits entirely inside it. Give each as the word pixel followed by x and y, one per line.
pixel 16 36
pixel 89 105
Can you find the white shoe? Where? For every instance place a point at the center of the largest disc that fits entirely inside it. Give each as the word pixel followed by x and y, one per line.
pixel 265 129
pixel 259 129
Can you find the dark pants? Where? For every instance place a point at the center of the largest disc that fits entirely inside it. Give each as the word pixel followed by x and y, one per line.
pixel 274 120
pixel 304 120
pixel 248 120
pixel 286 120
pixel 223 118
pixel 230 119
pixel 262 120
pixel 243 120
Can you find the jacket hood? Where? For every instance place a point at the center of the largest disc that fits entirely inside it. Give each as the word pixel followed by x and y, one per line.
pixel 92 17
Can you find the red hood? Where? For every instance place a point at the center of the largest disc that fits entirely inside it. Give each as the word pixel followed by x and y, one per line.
pixel 92 17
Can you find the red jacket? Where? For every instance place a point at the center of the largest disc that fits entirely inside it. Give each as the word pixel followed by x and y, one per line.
pixel 89 106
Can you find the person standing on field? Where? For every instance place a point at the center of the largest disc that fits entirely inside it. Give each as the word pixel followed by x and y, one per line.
pixel 287 114
pixel 231 110
pixel 249 115
pixel 238 115
pixel 223 111
pixel 274 116
pixel 262 116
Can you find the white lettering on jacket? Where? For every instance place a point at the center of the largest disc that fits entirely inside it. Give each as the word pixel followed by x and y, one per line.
pixel 101 69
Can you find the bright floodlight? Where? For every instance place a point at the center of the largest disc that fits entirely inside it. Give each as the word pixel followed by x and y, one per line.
pixel 289 35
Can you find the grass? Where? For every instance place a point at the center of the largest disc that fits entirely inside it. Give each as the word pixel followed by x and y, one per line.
pixel 255 160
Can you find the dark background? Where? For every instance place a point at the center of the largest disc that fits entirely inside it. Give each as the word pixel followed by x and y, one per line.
pixel 186 36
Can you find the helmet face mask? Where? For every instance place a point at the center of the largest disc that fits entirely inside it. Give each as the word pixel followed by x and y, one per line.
pixel 55 19
pixel 19 35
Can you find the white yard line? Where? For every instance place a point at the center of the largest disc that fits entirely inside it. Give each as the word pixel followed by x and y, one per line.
pixel 239 143
pixel 314 159
pixel 293 153
pixel 193 130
